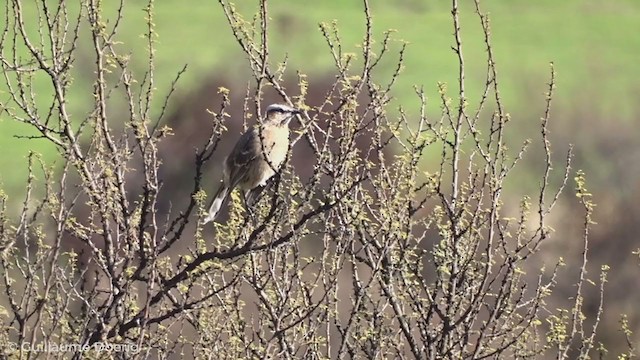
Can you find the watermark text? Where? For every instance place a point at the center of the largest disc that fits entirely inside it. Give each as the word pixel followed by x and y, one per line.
pixel 51 347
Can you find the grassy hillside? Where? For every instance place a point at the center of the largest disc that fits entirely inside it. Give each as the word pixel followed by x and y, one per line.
pixel 592 43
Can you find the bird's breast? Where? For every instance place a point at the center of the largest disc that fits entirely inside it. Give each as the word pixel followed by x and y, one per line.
pixel 278 146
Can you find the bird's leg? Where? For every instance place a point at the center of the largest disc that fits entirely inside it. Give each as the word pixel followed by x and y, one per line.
pixel 271 182
pixel 248 200
pixel 253 196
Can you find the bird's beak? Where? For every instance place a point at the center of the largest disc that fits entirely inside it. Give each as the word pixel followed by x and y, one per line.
pixel 288 119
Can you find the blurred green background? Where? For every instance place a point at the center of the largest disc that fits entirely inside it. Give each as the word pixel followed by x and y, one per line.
pixel 594 44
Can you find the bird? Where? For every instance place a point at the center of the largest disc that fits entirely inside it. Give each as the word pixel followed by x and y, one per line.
pixel 255 158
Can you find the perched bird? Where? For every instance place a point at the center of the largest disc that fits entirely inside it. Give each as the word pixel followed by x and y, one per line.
pixel 255 158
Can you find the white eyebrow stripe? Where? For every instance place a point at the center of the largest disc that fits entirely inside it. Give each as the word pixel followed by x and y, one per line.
pixel 280 107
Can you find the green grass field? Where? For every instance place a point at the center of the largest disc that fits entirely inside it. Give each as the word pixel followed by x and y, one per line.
pixel 593 43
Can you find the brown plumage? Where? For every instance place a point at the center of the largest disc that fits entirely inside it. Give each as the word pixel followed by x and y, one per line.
pixel 255 158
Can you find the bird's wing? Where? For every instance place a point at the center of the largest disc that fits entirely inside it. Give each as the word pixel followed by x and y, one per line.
pixel 243 154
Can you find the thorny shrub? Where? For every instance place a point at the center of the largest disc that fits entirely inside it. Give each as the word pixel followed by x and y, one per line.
pixel 416 260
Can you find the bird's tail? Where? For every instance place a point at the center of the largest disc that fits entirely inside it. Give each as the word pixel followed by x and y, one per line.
pixel 216 204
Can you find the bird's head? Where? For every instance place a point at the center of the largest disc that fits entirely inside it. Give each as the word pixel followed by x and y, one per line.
pixel 281 114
